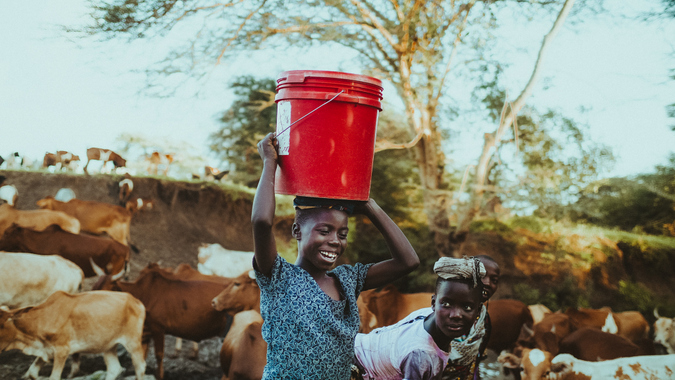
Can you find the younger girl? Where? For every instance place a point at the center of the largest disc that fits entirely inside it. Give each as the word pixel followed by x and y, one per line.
pixel 310 311
pixel 441 342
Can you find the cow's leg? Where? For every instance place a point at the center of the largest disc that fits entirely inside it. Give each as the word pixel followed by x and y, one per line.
pixel 34 369
pixel 85 166
pixel 136 351
pixel 112 364
pixel 60 357
pixel 178 348
pixel 158 338
pixel 195 351
pixel 74 366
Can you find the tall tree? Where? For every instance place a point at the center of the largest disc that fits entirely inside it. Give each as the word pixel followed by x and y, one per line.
pixel 418 46
pixel 250 117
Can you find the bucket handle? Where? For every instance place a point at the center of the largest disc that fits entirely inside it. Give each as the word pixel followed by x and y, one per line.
pixel 311 112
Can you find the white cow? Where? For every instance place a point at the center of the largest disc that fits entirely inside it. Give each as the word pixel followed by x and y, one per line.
pixel 664 332
pixel 215 260
pixel 9 194
pixel 65 194
pixel 29 279
pixel 566 366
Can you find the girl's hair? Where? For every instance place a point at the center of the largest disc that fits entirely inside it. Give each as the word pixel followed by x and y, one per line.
pixel 303 214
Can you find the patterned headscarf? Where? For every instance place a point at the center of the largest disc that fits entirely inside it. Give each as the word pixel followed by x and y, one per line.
pixel 451 268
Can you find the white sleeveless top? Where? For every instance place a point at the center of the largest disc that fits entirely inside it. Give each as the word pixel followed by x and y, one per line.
pixel 382 352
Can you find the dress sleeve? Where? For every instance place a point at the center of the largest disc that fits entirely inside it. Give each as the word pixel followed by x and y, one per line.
pixel 421 365
pixel 276 275
pixel 360 272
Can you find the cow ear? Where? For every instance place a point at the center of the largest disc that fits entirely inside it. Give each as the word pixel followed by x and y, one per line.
pixel 560 369
pixel 251 274
pixel 509 360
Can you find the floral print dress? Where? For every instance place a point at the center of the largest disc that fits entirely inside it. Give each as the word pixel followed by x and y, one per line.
pixel 309 335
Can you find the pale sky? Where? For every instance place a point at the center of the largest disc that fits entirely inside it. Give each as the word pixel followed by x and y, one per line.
pixel 56 95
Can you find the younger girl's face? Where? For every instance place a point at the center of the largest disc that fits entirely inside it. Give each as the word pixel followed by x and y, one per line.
pixel 322 237
pixel 457 306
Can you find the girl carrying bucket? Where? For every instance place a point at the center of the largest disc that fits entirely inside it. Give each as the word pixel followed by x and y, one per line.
pixel 310 311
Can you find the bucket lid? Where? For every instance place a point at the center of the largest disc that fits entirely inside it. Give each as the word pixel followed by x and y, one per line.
pixel 299 76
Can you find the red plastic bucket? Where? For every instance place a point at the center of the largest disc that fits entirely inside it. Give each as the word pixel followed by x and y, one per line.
pixel 326 126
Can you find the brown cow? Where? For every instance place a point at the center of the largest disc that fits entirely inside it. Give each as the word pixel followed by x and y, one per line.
pixel 105 155
pixel 588 343
pixel 629 324
pixel 91 253
pixel 390 306
pixel 632 325
pixel 176 307
pixel 126 187
pixel 601 319
pixel 243 354
pixel 94 217
pixel 241 294
pixel 36 219
pixel 61 160
pixel 156 159
pixel 547 334
pixel 507 318
pixel 65 324
pixel 139 204
pixel 213 174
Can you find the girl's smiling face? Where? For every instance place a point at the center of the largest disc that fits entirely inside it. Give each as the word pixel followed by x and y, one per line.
pixel 322 238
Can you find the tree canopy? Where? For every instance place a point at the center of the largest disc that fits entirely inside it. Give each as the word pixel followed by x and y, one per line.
pixel 421 47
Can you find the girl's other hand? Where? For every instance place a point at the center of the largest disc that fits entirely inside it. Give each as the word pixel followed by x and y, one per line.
pixel 267 147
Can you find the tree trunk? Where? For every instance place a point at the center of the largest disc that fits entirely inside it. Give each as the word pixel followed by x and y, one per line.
pixel 491 140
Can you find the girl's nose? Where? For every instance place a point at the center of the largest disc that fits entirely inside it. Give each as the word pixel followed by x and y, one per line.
pixel 454 312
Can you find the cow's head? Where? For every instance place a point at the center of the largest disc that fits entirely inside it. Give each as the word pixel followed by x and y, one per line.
pixel 47 202
pixel 664 332
pixel 8 331
pixel 119 161
pixel 532 364
pixel 241 294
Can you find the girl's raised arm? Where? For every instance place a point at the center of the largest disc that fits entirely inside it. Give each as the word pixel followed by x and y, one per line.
pixel 403 256
pixel 262 215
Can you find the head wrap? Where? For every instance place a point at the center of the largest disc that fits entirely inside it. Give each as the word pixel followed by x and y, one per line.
pixel 451 268
pixel 304 203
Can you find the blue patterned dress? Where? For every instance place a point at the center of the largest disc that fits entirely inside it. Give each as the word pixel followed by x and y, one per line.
pixel 309 335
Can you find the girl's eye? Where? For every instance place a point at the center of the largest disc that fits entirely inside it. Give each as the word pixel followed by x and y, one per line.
pixel 445 304
pixel 468 308
pixel 342 236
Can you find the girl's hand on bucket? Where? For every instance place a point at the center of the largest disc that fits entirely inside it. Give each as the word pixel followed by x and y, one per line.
pixel 267 147
pixel 365 207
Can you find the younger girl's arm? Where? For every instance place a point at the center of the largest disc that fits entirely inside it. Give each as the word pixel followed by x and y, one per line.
pixel 403 256
pixel 262 214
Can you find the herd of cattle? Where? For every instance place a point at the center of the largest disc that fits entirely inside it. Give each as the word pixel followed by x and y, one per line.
pixel 156 163
pixel 47 254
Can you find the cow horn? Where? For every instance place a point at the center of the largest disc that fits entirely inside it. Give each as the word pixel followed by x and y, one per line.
pixel 119 275
pixel 4 308
pixel 251 274
pixel 656 313
pixel 97 269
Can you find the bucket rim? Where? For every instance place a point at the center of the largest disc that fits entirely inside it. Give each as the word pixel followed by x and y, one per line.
pixel 284 76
